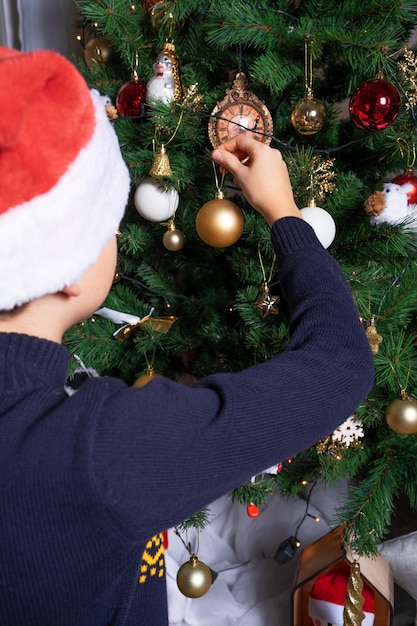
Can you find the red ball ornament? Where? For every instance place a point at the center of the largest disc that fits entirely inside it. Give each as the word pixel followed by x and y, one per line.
pixel 252 510
pixel 131 98
pixel 408 178
pixel 375 104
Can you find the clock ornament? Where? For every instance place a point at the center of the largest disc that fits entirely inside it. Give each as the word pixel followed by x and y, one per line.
pixel 240 112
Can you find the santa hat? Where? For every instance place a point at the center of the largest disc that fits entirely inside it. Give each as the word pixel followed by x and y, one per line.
pixel 64 184
pixel 327 598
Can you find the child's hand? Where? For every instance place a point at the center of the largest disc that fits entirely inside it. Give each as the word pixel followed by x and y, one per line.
pixel 262 175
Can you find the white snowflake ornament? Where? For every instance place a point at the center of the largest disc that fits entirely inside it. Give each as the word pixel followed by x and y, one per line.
pixel 349 432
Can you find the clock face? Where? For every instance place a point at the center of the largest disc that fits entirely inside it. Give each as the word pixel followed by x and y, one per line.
pixel 240 119
pixel 240 113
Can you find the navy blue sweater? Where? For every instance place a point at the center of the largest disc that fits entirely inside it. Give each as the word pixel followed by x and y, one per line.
pixel 87 480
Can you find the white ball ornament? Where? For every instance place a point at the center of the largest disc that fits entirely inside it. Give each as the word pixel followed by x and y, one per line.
pixel 322 223
pixel 154 201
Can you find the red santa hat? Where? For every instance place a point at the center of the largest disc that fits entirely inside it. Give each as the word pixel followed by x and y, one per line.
pixel 327 599
pixel 64 184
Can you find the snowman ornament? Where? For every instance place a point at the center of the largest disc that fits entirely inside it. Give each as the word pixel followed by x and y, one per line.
pixel 165 83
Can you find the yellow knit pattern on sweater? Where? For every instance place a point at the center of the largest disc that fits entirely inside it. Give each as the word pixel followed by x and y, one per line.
pixel 153 561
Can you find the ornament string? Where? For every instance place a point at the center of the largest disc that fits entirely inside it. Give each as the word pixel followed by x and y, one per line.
pixel 187 543
pixel 156 140
pixel 219 186
pixel 308 67
pixel 266 281
pixel 150 363
pixel 403 389
pixel 239 58
pixel 411 152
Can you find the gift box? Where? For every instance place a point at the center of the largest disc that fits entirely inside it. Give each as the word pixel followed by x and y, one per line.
pixel 328 552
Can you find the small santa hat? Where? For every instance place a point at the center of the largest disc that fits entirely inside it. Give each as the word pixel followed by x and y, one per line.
pixel 64 184
pixel 327 598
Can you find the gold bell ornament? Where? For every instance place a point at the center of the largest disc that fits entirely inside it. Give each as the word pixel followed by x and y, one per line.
pixel 161 166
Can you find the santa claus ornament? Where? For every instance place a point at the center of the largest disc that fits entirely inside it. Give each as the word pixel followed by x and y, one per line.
pixel 330 598
pixel 391 206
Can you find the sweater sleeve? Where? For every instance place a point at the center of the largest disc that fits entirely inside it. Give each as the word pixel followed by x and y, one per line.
pixel 168 450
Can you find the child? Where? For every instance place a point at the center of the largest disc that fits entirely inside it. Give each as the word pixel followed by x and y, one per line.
pixel 88 479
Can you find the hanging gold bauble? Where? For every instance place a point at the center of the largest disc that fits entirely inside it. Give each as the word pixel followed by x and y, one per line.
pixel 401 415
pixel 97 51
pixel 146 378
pixel 173 239
pixel 308 115
pixel 220 222
pixel 194 578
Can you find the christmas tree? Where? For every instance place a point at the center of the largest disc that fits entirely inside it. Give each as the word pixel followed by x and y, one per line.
pixel 333 85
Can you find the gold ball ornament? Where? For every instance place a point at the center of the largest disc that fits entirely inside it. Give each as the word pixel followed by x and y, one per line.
pixel 96 52
pixel 194 578
pixel 308 115
pixel 401 415
pixel 146 378
pixel 220 222
pixel 173 239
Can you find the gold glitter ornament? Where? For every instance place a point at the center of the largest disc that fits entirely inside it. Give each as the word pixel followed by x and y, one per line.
pixel 161 166
pixel 373 336
pixel 194 578
pixel 353 614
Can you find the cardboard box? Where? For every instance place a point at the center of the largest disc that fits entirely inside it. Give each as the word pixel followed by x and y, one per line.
pixel 327 552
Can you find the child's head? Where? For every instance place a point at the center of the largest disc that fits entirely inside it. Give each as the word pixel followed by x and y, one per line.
pixel 63 182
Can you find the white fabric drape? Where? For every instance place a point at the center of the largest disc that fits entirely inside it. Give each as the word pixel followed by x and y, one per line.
pixel 251 589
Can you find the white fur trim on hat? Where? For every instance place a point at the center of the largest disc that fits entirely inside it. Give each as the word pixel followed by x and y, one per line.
pixel 330 613
pixel 48 241
pixel 326 602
